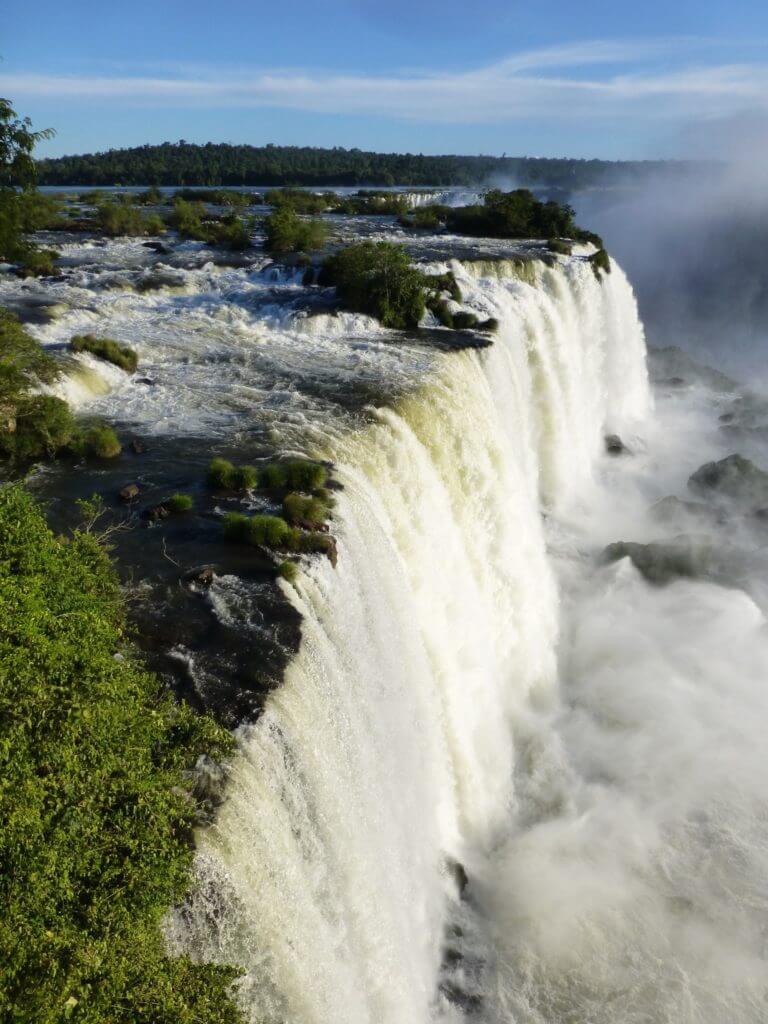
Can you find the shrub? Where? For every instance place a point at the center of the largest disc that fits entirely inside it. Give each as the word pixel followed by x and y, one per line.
pixel 559 246
pixel 600 261
pixel 316 543
pixel 377 278
pixel 223 475
pixel 273 476
pixel 118 218
pixel 286 232
pixel 288 571
pixel 97 803
pixel 442 311
pixel 263 531
pixel 102 443
pixel 37 263
pixel 178 503
pixel 44 425
pixel 187 219
pixel 296 475
pixel 491 324
pixel 300 509
pixel 104 348
pixel 464 321
pixel 516 214
pixel 150 197
pixel 300 201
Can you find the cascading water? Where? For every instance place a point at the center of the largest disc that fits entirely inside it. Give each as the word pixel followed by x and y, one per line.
pixel 426 673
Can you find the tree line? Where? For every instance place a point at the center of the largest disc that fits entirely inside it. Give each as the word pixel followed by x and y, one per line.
pixel 183 163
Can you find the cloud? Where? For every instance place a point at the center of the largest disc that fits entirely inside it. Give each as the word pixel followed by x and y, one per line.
pixel 557 82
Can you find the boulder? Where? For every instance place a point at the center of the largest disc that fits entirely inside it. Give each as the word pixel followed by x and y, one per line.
pixel 663 561
pixel 157 513
pixel 130 492
pixel 138 447
pixel 674 510
pixel 615 446
pixel 201 578
pixel 734 478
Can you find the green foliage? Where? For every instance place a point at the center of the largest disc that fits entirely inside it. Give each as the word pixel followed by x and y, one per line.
pixel 39 212
pixel 223 475
pixel 178 503
pixel 442 311
pixel 426 218
pixel 23 362
pixel 260 531
pixel 491 325
pixel 516 214
pixel 463 321
pixel 372 203
pixel 37 262
pixel 217 196
pixel 96 801
pixel 377 278
pixel 117 218
pixel 149 197
pixel 104 348
pixel 44 426
pixel 287 232
pixel 300 201
pixel 295 475
pixel 101 443
pixel 179 163
pixel 305 511
pixel 600 261
pixel 560 246
pixel 288 571
pixel 192 220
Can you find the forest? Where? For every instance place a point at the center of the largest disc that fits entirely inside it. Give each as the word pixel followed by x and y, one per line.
pixel 184 163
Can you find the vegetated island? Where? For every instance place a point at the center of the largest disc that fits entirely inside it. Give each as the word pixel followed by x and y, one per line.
pixel 184 163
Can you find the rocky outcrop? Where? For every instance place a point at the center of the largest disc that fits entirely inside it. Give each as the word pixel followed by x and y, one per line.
pixel 732 479
pixel 663 561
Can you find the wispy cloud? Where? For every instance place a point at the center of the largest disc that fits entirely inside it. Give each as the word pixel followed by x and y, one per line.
pixel 564 81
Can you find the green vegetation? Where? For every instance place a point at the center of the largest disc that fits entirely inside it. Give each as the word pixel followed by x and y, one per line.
pixel 377 278
pixel 179 503
pixel 218 196
pixel 99 442
pixel 560 246
pixel 600 261
pixel 463 321
pixel 295 475
pixel 223 475
pixel 182 163
pixel 300 201
pixel 288 571
pixel 192 220
pixel 149 197
pixel 31 425
pixel 104 348
pixel 22 209
pixel 262 531
pixel 286 232
pixel 517 214
pixel 117 218
pixel 304 511
pixel 425 218
pixel 97 800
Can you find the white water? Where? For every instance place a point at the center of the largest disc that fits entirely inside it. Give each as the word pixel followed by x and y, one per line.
pixel 424 719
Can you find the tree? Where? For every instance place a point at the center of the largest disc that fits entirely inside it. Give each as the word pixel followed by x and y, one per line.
pixel 17 179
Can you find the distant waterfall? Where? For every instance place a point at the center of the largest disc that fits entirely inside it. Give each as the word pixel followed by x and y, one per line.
pixel 390 749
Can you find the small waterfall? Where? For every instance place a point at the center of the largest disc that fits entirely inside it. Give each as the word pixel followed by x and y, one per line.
pixel 390 749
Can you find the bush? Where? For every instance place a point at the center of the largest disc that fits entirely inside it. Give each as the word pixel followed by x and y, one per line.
pixel 288 571
pixel 178 503
pixel 223 475
pixel 301 510
pixel 491 324
pixel 150 197
pixel 559 246
pixel 261 531
pixel 377 278
pixel 116 218
pixel 102 443
pixel 37 263
pixel 44 425
pixel 516 214
pixel 296 475
pixel 97 804
pixel 299 201
pixel 464 321
pixel 286 232
pixel 442 311
pixel 104 348
pixel 600 261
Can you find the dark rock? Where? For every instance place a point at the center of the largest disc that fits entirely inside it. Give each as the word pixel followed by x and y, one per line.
pixel 144 380
pixel 138 447
pixel 159 280
pixel 332 551
pixel 734 477
pixel 727 417
pixel 161 247
pixel 615 446
pixel 458 873
pixel 130 492
pixel 200 579
pixel 157 513
pixel 663 561
pixel 675 382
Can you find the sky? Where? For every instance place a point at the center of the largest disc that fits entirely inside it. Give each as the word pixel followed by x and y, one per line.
pixel 598 78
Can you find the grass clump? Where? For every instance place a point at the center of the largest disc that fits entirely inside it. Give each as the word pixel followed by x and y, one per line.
pixel 97 804
pixel 179 503
pixel 286 232
pixel 295 475
pixel 377 278
pixel 104 348
pixel 101 443
pixel 302 510
pixel 260 531
pixel 299 201
pixel 223 475
pixel 288 571
pixel 600 261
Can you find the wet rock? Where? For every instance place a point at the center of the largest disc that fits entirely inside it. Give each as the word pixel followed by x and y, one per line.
pixel 201 578
pixel 674 510
pixel 138 447
pixel 144 380
pixel 209 780
pixel 734 477
pixel 458 873
pixel 130 492
pixel 161 247
pixel 727 417
pixel 663 561
pixel 159 280
pixel 672 363
pixel 157 513
pixel 615 446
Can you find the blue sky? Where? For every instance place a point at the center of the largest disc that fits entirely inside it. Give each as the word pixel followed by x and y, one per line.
pixel 603 78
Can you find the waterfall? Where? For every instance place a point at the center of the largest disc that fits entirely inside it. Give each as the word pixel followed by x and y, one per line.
pixel 389 752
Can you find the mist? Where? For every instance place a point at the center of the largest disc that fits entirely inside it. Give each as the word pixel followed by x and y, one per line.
pixel 694 248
